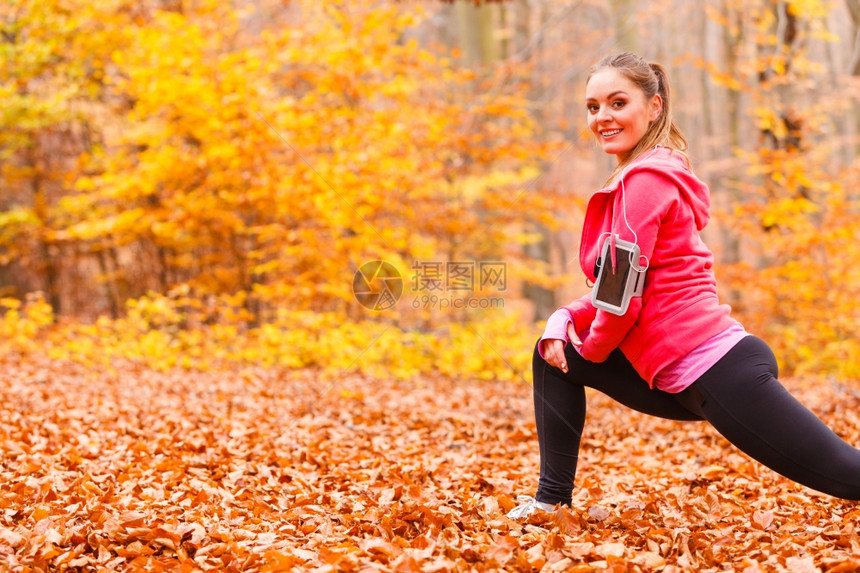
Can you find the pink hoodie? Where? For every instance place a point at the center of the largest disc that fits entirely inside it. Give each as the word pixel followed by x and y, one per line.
pixel 679 310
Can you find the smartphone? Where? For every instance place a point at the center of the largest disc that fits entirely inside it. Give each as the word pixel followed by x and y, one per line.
pixel 612 291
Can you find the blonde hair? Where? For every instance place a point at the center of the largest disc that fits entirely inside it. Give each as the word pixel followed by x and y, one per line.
pixel 652 79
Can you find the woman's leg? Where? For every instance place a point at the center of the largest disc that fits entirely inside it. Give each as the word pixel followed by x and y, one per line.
pixel 742 398
pixel 559 401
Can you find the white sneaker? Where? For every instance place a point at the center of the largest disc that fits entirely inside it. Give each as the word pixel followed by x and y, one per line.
pixel 527 506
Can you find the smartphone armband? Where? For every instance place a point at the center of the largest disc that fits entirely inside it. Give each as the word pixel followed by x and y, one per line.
pixel 612 291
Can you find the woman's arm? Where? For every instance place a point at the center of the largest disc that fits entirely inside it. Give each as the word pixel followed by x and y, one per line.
pixel 647 197
pixel 558 332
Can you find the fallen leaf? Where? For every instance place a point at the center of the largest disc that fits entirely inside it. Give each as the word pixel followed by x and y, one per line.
pixel 11 538
pixel 762 519
pixel 598 512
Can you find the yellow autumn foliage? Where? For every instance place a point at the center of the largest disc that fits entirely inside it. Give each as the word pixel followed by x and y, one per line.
pixel 196 186
pixel 168 332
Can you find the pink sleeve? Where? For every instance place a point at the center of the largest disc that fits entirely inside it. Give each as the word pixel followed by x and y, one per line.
pixel 608 331
pixel 556 328
pixel 582 312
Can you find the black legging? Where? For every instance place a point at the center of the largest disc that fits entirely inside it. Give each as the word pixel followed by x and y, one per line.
pixel 740 395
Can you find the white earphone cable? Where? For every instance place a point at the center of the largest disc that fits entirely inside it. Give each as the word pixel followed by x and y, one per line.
pixel 633 265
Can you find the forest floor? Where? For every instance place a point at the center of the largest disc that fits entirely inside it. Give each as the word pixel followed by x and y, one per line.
pixel 255 470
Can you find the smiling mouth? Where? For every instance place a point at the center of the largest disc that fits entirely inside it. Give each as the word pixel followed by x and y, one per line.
pixel 610 133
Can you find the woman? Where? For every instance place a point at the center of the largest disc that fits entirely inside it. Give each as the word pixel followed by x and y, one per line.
pixel 676 352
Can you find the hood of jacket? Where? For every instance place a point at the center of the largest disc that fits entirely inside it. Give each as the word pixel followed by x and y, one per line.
pixel 666 163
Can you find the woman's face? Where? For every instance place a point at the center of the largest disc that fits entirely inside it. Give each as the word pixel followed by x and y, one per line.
pixel 618 111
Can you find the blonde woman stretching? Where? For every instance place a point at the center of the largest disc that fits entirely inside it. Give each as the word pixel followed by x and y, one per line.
pixel 676 352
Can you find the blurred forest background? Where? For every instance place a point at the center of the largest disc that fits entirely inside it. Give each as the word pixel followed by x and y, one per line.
pixel 194 183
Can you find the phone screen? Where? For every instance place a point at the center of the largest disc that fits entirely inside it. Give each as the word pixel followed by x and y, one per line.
pixel 610 288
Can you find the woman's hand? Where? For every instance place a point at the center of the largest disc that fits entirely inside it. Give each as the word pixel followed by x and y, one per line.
pixel 553 349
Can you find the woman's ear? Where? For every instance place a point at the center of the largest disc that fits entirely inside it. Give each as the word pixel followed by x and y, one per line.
pixel 656 107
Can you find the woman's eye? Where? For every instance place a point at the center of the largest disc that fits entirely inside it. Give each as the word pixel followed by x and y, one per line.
pixel 618 104
pixel 592 108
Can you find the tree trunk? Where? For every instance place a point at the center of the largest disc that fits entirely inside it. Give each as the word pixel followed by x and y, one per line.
pixel 854 67
pixel 732 44
pixel 45 248
pixel 475 31
pixel 623 19
pixel 542 299
pixel 110 291
pixel 854 10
